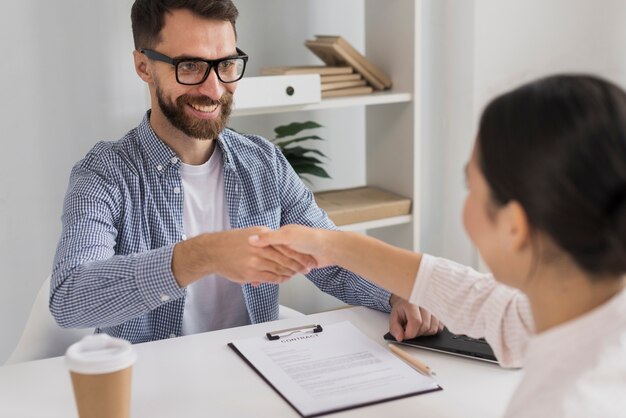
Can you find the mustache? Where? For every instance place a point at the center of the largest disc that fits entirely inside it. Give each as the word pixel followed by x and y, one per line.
pixel 205 100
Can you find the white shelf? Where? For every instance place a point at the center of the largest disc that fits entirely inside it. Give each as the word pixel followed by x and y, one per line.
pixel 378 223
pixel 384 97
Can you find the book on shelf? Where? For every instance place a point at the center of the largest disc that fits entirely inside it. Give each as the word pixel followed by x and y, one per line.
pixel 340 77
pixel 362 204
pixel 336 51
pixel 358 56
pixel 350 91
pixel 322 70
pixel 343 84
pixel 331 54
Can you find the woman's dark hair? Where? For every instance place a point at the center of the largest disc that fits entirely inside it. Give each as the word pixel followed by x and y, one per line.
pixel 558 147
pixel 147 16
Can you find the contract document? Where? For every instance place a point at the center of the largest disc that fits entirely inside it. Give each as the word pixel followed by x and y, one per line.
pixel 331 370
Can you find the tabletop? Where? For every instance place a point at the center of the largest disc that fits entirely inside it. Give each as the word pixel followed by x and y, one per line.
pixel 200 376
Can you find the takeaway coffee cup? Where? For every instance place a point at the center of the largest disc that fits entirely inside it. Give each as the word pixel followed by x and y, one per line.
pixel 101 367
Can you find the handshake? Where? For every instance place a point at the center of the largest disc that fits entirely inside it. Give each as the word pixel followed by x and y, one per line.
pixel 252 255
pixel 259 255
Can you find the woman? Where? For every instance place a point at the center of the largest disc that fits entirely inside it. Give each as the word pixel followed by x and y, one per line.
pixel 546 209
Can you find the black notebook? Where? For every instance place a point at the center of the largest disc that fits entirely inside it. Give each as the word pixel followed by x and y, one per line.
pixel 447 342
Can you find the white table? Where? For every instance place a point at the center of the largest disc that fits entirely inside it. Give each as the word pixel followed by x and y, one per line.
pixel 199 376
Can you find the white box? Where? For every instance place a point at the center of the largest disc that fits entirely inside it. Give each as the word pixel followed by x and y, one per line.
pixel 277 90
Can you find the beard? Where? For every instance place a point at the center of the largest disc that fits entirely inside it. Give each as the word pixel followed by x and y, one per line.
pixel 192 127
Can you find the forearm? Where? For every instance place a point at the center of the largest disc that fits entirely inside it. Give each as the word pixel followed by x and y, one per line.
pixel 393 268
pixel 350 288
pixel 191 261
pixel 111 291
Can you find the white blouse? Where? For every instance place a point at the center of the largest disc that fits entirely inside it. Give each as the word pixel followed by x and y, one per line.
pixel 577 369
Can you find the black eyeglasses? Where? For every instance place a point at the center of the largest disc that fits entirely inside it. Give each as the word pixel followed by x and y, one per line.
pixel 192 71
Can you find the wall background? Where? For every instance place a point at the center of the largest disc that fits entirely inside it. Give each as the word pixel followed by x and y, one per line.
pixel 68 81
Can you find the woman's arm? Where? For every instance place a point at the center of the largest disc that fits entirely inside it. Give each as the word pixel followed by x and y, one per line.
pixel 467 301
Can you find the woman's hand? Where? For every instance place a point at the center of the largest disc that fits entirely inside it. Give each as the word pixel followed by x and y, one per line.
pixel 300 239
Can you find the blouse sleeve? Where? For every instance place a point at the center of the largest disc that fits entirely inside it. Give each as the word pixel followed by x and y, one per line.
pixel 475 304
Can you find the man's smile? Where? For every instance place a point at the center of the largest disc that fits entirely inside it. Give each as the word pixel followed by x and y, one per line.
pixel 204 108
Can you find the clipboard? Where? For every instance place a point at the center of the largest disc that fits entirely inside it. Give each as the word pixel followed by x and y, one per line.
pixel 276 335
pixel 320 371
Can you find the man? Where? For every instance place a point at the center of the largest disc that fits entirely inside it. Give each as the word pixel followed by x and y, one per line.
pixel 156 225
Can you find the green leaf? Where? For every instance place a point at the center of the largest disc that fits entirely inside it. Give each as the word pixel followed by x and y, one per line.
pixel 283 144
pixel 299 152
pixel 305 159
pixel 294 128
pixel 310 169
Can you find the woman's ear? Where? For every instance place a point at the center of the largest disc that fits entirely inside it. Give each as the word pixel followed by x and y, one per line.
pixel 518 227
pixel 141 66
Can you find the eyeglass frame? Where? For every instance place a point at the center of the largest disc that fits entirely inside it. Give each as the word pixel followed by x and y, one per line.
pixel 157 56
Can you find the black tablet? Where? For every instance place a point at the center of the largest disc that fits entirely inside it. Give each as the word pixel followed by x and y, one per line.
pixel 446 342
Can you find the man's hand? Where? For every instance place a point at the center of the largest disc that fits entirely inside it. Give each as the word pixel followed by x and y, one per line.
pixel 302 239
pixel 409 321
pixel 230 255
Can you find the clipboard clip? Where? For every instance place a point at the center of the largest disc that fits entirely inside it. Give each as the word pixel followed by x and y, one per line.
pixel 306 329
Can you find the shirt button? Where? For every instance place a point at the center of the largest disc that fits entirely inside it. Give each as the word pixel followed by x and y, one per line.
pixel 159 167
pixel 184 237
pixel 174 160
pixel 176 190
pixel 165 298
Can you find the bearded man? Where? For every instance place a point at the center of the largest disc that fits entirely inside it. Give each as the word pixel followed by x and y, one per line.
pixel 154 241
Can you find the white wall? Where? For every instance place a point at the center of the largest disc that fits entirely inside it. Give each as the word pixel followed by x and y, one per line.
pixel 516 41
pixel 447 124
pixel 67 82
pixel 477 49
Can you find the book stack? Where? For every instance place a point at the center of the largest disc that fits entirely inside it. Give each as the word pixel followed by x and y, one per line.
pixel 337 52
pixel 346 73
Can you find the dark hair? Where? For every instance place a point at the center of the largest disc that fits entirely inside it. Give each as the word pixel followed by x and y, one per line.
pixel 147 16
pixel 558 147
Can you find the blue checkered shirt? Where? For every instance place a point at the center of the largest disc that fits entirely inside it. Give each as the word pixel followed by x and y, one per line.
pixel 123 214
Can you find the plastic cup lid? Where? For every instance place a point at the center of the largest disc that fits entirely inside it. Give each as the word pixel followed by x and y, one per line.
pixel 99 353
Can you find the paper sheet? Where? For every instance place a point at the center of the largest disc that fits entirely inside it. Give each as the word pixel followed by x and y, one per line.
pixel 338 368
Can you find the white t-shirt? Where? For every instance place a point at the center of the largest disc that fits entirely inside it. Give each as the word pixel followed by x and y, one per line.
pixel 212 302
pixel 576 369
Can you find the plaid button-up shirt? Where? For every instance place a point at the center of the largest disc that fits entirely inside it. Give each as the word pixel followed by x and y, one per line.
pixel 123 214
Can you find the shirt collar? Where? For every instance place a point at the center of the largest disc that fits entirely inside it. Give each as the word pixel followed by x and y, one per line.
pixel 161 156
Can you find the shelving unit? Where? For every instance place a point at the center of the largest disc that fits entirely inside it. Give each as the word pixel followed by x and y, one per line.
pixel 378 98
pixel 392 124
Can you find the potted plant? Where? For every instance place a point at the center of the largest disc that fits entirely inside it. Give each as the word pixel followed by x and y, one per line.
pixel 305 161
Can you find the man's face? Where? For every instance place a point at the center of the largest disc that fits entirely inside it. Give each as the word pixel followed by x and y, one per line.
pixel 200 111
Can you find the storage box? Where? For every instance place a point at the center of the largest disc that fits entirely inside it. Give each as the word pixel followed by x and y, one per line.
pixel 278 90
pixel 362 204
